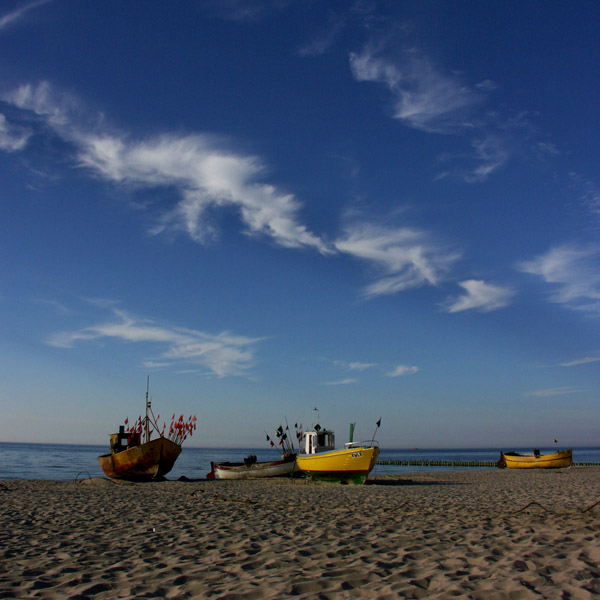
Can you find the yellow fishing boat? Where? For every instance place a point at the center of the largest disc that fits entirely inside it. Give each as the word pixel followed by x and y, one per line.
pixel 321 461
pixel 555 460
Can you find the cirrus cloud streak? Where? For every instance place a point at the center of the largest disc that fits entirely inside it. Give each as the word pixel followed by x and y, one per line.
pixel 223 354
pixel 574 274
pixel 481 296
pixel 406 258
pixel 206 173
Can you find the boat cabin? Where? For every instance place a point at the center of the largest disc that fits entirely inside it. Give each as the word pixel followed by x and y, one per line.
pixel 123 440
pixel 319 440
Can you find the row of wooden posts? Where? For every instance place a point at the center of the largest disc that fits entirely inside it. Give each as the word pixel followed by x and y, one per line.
pixel 458 463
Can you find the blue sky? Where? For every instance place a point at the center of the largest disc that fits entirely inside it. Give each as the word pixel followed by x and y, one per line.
pixel 379 209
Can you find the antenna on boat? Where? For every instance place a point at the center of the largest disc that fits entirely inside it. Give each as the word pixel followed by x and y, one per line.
pixel 287 429
pixel 376 428
pixel 147 407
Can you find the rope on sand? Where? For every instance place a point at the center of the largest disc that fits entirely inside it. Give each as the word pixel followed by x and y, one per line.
pixel 401 505
pixel 530 504
pixel 590 507
pixel 549 511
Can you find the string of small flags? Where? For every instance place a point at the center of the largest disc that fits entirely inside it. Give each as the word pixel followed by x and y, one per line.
pixel 284 440
pixel 179 430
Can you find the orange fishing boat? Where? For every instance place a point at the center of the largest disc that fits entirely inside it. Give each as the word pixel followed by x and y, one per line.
pixel 151 460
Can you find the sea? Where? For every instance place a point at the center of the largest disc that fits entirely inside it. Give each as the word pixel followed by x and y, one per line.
pixel 67 462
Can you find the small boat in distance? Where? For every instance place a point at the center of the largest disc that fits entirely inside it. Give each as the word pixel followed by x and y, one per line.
pixel 251 469
pixel 131 460
pixel 554 460
pixel 321 461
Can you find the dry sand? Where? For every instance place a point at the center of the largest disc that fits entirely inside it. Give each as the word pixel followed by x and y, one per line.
pixel 431 535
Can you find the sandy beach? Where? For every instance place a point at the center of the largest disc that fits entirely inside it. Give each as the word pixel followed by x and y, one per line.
pixel 470 534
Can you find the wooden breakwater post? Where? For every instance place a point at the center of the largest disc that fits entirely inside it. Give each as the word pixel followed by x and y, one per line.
pixel 422 462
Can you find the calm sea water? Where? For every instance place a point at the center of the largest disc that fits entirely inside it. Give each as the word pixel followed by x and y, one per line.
pixel 63 462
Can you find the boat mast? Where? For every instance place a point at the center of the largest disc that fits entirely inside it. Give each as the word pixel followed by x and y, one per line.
pixel 147 428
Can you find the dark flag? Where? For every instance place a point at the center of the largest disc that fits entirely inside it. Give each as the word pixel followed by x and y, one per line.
pixel 376 428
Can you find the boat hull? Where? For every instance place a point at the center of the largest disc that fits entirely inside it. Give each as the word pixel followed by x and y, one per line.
pixel 275 468
pixel 351 465
pixel 146 462
pixel 556 460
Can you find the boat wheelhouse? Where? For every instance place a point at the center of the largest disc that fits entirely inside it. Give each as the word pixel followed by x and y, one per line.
pixel 321 461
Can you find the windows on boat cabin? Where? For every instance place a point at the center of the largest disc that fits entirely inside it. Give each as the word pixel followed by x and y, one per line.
pixel 319 440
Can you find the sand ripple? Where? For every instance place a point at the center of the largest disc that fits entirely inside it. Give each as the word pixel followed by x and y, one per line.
pixel 474 534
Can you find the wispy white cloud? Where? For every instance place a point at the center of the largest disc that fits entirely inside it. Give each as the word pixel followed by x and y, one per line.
pixel 581 361
pixel 12 139
pixel 19 14
pixel 242 11
pixel 560 391
pixel 402 370
pixel 406 257
pixel 58 307
pixel 354 366
pixel 357 366
pixel 325 39
pixel 222 354
pixel 201 168
pixel 208 175
pixel 347 381
pixel 491 155
pixel 588 191
pixel 481 296
pixel 490 152
pixel 573 271
pixel 425 98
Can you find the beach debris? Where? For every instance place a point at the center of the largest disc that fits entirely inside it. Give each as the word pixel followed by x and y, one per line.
pixel 81 473
pixel 531 504
pixel 242 500
pixel 590 507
